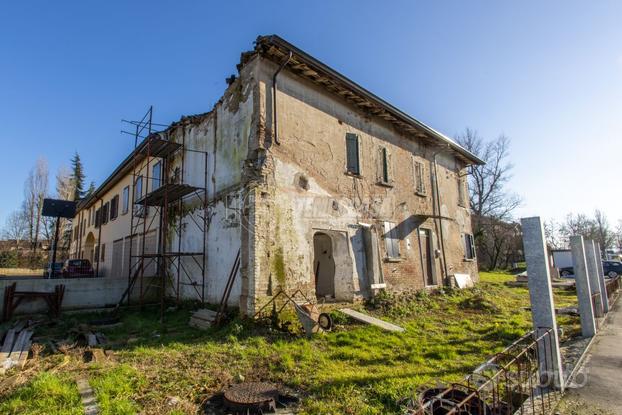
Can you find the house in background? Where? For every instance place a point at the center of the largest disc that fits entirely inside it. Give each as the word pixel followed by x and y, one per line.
pixel 304 178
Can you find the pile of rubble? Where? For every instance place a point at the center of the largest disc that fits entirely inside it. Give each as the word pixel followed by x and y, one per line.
pixel 16 346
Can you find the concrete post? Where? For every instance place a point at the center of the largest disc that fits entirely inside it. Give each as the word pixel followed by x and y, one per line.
pixel 541 296
pixel 601 276
pixel 592 272
pixel 584 293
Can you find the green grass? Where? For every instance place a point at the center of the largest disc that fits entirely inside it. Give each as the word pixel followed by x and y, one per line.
pixel 354 369
pixel 46 394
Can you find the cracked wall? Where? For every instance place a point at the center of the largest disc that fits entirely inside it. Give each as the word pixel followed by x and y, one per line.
pixel 306 190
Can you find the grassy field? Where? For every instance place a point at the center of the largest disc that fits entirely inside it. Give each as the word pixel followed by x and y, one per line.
pixel 354 369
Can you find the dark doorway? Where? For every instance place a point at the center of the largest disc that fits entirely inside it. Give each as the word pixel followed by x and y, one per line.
pixel 323 265
pixel 427 256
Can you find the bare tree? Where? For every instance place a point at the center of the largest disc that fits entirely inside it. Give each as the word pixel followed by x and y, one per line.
pixel 491 204
pixel 499 244
pixel 552 232
pixel 577 224
pixel 618 235
pixel 604 235
pixel 35 190
pixel 487 192
pixel 65 190
pixel 16 227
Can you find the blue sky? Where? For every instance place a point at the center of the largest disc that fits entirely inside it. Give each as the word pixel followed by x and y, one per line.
pixel 546 74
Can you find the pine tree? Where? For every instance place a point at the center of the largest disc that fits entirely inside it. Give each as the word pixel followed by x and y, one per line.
pixel 77 177
pixel 90 190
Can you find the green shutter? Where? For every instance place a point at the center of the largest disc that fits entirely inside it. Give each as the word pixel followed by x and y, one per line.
pixel 352 153
pixel 385 166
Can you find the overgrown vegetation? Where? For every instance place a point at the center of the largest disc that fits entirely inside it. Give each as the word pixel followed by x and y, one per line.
pixel 355 369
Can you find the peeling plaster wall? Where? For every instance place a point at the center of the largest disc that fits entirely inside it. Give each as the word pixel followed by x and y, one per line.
pixel 227 135
pixel 312 127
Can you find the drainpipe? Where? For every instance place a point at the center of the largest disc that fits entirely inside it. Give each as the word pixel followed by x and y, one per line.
pixel 276 129
pixel 440 221
pixel 99 237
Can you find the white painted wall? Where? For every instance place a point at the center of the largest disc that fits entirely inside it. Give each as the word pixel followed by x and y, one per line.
pixel 80 293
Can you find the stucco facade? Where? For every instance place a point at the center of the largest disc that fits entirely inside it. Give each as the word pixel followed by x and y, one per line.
pixel 349 197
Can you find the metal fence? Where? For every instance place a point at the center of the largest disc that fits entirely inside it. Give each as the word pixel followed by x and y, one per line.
pixel 518 380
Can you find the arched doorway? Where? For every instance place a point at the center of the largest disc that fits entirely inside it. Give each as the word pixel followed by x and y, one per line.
pixel 89 247
pixel 323 265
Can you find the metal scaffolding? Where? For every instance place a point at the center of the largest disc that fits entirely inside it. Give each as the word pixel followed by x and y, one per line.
pixel 156 204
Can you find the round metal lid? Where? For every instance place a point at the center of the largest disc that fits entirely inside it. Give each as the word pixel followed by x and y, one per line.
pixel 251 394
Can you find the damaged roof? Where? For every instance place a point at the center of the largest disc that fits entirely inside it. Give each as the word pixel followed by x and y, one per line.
pixel 277 49
pixel 305 65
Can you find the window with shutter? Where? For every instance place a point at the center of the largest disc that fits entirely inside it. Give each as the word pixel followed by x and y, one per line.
pixel 138 188
pixel 114 207
pixel 352 154
pixel 419 180
pixel 105 212
pixel 126 200
pixel 392 240
pixel 384 166
pixel 469 246
pixel 157 176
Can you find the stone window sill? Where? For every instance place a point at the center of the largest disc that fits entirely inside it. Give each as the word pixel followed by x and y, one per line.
pixel 468 259
pixel 384 184
pixel 355 175
pixel 422 194
pixel 387 259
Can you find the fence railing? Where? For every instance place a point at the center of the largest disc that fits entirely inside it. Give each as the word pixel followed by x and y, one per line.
pixel 518 380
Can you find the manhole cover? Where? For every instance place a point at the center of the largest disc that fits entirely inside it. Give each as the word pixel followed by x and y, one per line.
pixel 252 396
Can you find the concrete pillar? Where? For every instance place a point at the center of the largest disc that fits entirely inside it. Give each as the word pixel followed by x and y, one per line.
pixel 601 276
pixel 541 296
pixel 592 272
pixel 584 293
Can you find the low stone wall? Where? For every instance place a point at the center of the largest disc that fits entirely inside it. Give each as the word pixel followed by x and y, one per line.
pixel 80 293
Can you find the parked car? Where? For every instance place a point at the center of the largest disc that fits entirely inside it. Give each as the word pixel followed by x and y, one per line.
pixel 58 266
pixel 77 268
pixel 612 268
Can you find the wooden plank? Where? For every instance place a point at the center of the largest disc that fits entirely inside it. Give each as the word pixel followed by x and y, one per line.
pixel 9 339
pixel 204 318
pixel 206 323
pixel 206 311
pixel 199 324
pixel 364 318
pixel 17 346
pixel 98 355
pixel 19 326
pixel 23 357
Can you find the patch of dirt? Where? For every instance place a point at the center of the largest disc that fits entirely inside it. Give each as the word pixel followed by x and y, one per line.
pixel 574 405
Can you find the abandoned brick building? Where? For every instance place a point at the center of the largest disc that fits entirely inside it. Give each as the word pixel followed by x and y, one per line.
pixel 316 184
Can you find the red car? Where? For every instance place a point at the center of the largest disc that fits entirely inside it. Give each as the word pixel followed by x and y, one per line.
pixel 77 268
